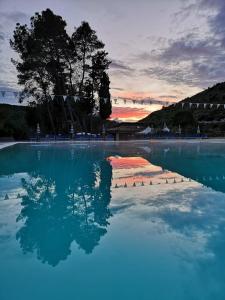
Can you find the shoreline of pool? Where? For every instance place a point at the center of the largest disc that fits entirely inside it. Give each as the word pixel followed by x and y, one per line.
pixel 4 145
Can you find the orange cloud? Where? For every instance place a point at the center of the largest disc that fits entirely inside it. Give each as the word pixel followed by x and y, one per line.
pixel 128 113
pixel 145 95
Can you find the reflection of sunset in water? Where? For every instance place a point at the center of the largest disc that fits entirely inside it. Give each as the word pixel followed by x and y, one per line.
pixel 130 170
pixel 127 162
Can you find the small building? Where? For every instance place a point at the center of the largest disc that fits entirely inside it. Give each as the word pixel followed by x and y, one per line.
pixel 124 132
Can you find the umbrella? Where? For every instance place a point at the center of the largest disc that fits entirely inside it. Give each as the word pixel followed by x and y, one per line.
pixel 165 128
pixel 147 130
pixel 38 129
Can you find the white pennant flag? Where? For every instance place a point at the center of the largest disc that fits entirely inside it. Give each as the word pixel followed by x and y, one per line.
pixel 218 105
pixel 197 105
pixel 51 97
pixel 205 104
pixel 76 98
pixel 211 105
pixel 182 105
pixel 224 106
pixel 190 105
pixel 64 97
pixel 105 100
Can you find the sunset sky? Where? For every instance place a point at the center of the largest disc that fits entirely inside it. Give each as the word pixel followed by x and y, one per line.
pixel 160 49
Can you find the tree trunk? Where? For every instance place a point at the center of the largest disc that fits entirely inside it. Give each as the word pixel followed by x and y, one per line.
pixel 63 109
pixel 84 124
pixel 83 70
pixel 51 118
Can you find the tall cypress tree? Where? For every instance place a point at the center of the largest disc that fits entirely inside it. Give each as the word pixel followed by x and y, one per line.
pixel 105 105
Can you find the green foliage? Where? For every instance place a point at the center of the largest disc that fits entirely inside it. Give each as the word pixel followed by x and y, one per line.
pixel 183 118
pixel 13 122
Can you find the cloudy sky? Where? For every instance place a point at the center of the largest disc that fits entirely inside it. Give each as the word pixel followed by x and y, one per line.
pixel 160 49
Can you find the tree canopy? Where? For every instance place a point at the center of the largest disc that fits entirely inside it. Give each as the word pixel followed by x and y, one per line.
pixel 52 64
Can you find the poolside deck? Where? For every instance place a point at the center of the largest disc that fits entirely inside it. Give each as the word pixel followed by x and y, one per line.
pixel 7 144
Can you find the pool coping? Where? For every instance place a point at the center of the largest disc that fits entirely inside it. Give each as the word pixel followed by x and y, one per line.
pixel 4 145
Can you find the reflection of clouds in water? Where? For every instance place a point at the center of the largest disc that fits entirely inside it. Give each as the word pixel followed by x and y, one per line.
pixel 11 185
pixel 188 220
pixel 10 192
pixel 189 217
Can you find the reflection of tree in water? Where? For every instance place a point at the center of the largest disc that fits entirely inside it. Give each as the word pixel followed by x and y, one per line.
pixel 70 204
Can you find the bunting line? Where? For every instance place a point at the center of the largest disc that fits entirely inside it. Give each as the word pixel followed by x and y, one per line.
pixel 76 98
pixel 142 101
pixel 16 94
pixel 197 105
pixel 125 101
pixel 173 180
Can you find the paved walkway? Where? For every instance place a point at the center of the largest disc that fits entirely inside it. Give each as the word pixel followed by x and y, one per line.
pixel 4 145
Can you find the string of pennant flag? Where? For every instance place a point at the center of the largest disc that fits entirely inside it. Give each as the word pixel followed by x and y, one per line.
pixel 115 101
pixel 5 93
pixel 141 101
pixel 18 94
pixel 200 105
pixel 173 180
pixel 119 100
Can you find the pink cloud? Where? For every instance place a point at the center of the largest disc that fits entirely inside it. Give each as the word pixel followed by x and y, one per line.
pixel 128 113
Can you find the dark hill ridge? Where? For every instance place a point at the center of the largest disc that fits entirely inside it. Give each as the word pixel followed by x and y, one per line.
pixel 210 120
pixel 13 121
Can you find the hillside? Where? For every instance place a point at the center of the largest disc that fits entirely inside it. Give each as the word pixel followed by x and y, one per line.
pixel 210 120
pixel 13 121
pixel 20 122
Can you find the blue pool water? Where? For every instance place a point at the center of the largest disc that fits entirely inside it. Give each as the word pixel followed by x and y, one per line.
pixel 112 221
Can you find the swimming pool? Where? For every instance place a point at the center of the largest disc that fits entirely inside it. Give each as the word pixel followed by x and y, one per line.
pixel 112 221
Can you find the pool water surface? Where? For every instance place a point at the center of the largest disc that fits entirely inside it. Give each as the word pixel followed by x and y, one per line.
pixel 112 221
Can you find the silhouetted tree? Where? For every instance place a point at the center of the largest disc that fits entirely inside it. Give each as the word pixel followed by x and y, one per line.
pixel 104 96
pixel 53 63
pixel 41 68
